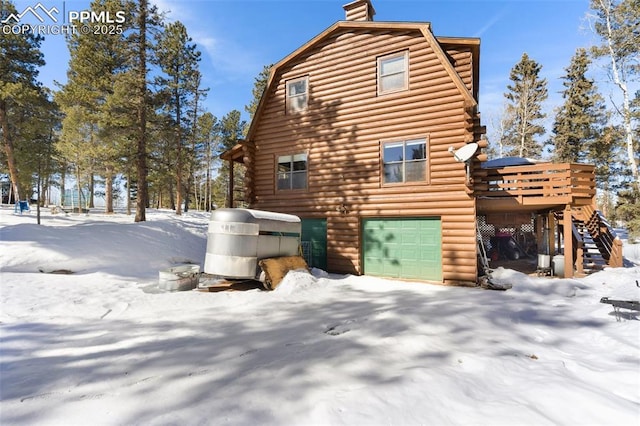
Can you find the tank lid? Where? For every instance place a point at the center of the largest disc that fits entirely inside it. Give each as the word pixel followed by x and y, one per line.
pixel 250 216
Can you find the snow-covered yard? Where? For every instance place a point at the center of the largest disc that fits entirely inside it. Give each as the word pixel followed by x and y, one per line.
pixel 99 346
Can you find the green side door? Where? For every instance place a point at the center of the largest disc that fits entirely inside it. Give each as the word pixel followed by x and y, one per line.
pixel 409 248
pixel 314 242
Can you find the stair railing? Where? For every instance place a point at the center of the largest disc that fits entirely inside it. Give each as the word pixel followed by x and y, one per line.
pixel 608 243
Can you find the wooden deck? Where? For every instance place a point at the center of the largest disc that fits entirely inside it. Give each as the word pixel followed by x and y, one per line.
pixel 534 187
pixel 564 192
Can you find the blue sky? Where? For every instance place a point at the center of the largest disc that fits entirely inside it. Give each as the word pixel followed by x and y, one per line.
pixel 238 37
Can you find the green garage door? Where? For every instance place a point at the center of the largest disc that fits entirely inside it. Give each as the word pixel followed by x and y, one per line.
pixel 403 248
pixel 314 242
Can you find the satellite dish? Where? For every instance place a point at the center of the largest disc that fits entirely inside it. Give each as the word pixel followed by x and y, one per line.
pixel 465 153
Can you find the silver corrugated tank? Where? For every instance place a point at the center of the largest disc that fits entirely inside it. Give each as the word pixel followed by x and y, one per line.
pixel 238 238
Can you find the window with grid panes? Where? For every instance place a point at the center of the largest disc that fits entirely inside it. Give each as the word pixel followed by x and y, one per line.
pixel 405 161
pixel 292 172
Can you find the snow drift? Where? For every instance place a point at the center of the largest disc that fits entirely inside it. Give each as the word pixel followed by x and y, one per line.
pixel 93 347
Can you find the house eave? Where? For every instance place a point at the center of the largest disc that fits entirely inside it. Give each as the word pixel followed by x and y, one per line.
pixel 235 154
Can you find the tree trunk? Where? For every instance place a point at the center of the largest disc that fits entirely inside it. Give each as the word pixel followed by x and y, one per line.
pixel 197 194
pixel 9 152
pixel 194 129
pixel 39 190
pixel 172 199
pixel 92 190
pixel 79 189
pixel 46 182
pixel 209 189
pixel 208 183
pixel 63 188
pixel 187 195
pixel 46 191
pixel 626 105
pixel 129 194
pixel 207 195
pixel 178 150
pixel 108 189
pixel 141 154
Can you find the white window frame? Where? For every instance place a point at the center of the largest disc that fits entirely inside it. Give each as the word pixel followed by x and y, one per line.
pixel 404 55
pixel 293 107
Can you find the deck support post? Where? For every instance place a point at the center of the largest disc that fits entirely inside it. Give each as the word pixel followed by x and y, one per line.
pixel 567 224
pixel 551 239
pixel 579 264
pixel 539 227
pixel 231 189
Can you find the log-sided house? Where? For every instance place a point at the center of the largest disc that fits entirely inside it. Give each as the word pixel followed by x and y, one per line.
pixel 355 134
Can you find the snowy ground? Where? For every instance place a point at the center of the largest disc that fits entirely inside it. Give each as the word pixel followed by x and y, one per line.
pixel 98 347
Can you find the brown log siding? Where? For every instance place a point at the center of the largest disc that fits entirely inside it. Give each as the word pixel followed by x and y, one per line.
pixel 461 60
pixel 342 132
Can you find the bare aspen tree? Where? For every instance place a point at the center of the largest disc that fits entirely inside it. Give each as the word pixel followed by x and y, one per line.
pixel 617 23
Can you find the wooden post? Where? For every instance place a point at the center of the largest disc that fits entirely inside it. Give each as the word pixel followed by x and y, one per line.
pixel 616 260
pixel 568 242
pixel 231 189
pixel 540 233
pixel 551 223
pixel 580 260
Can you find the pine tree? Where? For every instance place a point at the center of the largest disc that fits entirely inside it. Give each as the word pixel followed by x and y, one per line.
pixel 207 125
pixel 145 19
pixel 230 129
pixel 581 117
pixel 34 125
pixel 525 97
pixel 197 95
pixel 178 58
pixel 628 210
pixel 140 43
pixel 20 57
pixel 616 23
pixel 604 148
pixel 259 86
pixel 75 142
pixel 95 101
pixel 37 125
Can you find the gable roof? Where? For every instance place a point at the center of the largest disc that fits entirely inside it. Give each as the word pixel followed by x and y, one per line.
pixel 423 27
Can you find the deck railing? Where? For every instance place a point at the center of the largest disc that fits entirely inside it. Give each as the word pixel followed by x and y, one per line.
pixel 566 181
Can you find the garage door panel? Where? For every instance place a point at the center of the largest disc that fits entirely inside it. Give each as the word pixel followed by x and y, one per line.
pixel 410 255
pixel 412 238
pixel 403 248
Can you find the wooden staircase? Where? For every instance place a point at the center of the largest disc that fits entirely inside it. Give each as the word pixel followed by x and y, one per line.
pixel 593 259
pixel 596 243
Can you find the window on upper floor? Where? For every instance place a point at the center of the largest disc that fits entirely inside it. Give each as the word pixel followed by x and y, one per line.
pixel 393 72
pixel 292 172
pixel 405 161
pixel 297 94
